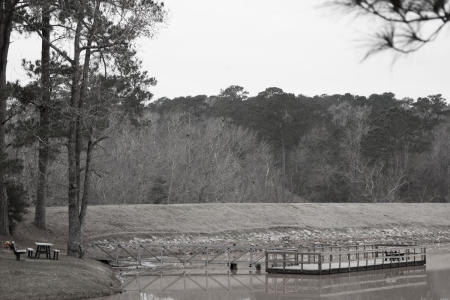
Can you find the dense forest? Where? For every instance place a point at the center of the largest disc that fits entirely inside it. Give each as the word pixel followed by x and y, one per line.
pixel 274 147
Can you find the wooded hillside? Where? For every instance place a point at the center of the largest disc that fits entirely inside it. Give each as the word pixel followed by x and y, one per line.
pixel 274 147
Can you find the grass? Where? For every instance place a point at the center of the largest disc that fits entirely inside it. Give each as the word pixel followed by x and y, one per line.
pixel 66 278
pixel 116 220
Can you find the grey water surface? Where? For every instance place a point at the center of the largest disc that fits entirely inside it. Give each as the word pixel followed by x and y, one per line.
pixel 429 282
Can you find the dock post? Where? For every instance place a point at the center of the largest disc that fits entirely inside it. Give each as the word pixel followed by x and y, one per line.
pixel 349 263
pixel 425 255
pixel 301 262
pixel 340 260
pixel 331 259
pixel 367 259
pixel 320 262
pixel 284 260
pixel 267 260
pixel 296 258
pixel 375 254
pixel 138 258
pixel 390 260
pixel 357 258
pixel 407 257
pixel 117 254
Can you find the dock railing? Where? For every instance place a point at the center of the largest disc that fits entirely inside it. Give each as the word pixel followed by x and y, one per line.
pixel 178 256
pixel 342 259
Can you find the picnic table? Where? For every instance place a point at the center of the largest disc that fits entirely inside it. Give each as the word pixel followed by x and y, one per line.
pixel 43 248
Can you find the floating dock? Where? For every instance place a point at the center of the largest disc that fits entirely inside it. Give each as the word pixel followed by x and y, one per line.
pixel 342 259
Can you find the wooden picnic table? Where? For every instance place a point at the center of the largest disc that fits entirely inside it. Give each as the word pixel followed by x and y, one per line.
pixel 43 248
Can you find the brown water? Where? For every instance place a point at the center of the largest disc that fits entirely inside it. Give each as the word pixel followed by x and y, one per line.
pixel 430 282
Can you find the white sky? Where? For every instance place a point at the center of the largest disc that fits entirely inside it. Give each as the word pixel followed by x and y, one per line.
pixel 296 45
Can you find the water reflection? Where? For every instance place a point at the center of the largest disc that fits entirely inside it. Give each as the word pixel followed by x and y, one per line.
pixel 402 283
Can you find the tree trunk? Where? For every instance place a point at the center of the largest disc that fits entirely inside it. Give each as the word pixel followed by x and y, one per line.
pixel 74 239
pixel 6 14
pixel 448 182
pixel 44 121
pixel 80 122
pixel 86 189
pixel 283 170
pixel 83 201
pixel 77 205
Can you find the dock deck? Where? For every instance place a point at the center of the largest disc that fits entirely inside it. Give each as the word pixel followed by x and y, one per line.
pixel 334 259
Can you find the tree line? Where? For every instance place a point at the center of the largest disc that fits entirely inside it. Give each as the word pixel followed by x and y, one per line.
pixel 273 147
pixel 340 148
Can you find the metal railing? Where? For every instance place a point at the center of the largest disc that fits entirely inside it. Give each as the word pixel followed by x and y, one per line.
pixel 184 256
pixel 341 258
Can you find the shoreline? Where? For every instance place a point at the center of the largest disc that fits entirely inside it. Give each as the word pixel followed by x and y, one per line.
pixel 191 225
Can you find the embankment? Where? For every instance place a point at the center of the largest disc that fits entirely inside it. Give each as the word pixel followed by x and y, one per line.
pixel 301 221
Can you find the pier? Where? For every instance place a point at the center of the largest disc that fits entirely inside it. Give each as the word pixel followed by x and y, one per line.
pixel 180 256
pixel 341 259
pixel 313 259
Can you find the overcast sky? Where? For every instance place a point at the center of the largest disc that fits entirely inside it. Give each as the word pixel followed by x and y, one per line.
pixel 208 45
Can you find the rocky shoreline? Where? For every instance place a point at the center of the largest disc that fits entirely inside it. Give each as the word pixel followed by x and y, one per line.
pixel 285 237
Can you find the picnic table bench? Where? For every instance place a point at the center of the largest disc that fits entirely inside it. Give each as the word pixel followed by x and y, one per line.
pixel 17 252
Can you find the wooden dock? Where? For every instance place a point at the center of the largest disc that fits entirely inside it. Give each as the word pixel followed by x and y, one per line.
pixel 341 259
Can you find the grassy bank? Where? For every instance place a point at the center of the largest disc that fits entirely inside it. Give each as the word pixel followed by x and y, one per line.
pixel 207 218
pixel 141 220
pixel 67 278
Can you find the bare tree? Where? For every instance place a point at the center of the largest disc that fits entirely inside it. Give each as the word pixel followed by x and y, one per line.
pixel 181 160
